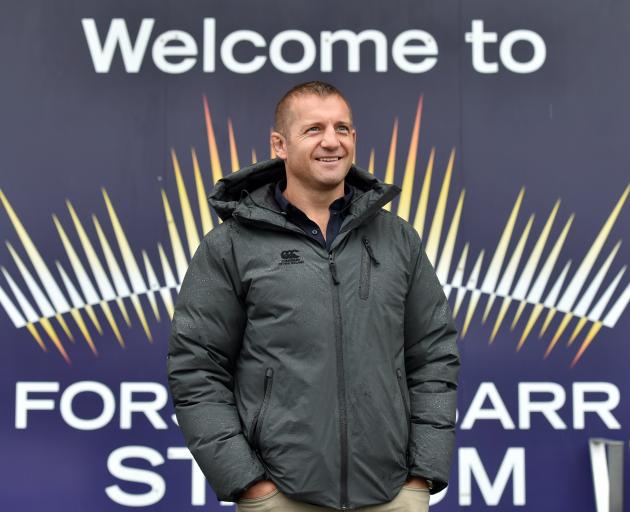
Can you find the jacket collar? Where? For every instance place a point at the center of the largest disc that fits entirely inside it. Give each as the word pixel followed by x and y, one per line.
pixel 249 194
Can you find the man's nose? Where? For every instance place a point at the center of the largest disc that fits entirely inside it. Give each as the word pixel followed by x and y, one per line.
pixel 330 140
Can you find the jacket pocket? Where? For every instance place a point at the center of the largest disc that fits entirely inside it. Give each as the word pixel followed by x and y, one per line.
pixel 367 258
pixel 260 414
pixel 401 386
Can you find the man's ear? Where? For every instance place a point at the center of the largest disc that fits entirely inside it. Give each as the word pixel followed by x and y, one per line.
pixel 279 145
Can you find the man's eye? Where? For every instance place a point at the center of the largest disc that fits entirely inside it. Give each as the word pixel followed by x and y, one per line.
pixel 313 129
pixel 343 129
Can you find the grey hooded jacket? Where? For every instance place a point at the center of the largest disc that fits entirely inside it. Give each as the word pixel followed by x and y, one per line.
pixel 333 374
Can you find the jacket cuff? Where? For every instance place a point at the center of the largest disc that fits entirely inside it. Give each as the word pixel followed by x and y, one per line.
pixel 430 453
pixel 234 495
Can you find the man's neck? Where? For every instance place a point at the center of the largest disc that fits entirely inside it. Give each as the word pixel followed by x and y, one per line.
pixel 313 202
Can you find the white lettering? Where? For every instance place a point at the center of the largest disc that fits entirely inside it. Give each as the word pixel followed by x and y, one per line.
pixel 187 47
pixel 537 60
pixel 116 467
pixel 107 413
pixel 513 464
pixel 526 405
pixel 149 408
pixel 602 408
pixel 498 411
pixel 23 403
pixel 227 51
pixel 209 44
pixel 353 41
pixel 401 49
pixel 308 45
pixel 198 480
pixel 117 35
pixel 478 38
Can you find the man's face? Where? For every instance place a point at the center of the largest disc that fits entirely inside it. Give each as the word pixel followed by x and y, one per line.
pixel 318 144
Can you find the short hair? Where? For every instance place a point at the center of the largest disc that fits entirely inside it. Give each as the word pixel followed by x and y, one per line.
pixel 316 87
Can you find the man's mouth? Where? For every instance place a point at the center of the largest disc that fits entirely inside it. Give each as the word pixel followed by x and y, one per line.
pixel 328 158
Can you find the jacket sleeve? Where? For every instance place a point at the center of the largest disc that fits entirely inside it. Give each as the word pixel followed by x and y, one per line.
pixel 431 364
pixel 205 340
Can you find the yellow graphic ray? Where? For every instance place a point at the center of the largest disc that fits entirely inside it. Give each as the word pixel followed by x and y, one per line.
pixel 233 152
pixel 176 244
pixel 508 276
pixel 537 289
pixel 553 294
pixel 32 329
pixel 169 279
pixel 371 162
pixel 449 245
pixel 215 163
pixel 421 209
pixel 112 323
pixel 476 293
pixel 519 312
pixel 135 300
pixel 404 203
pixel 391 160
pixel 102 281
pixel 590 336
pixel 122 290
pixel 27 310
pixel 77 305
pixel 254 157
pixel 524 282
pixel 617 308
pixel 78 319
pixel 62 322
pixel 46 325
pixel 50 285
pixel 40 298
pixel 458 279
pixel 578 328
pixel 563 325
pixel 204 209
pixel 80 273
pixel 192 235
pixel 153 285
pixel 435 232
pixel 598 310
pixel 133 271
pixel 575 286
pixel 589 294
pixel 492 275
pixel 533 317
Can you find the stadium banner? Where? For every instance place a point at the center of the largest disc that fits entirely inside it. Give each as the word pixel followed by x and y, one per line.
pixel 506 125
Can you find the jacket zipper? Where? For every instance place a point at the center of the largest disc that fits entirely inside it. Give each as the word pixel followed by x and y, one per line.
pixel 260 415
pixel 367 258
pixel 404 399
pixel 341 384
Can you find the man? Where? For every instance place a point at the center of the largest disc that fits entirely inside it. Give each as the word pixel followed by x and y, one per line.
pixel 312 359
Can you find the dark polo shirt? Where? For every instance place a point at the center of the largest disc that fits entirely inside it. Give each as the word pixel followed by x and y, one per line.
pixel 338 212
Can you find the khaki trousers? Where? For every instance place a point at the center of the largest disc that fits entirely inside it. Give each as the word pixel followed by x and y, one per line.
pixel 409 499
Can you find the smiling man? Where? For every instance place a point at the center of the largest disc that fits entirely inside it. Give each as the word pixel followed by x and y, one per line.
pixel 312 358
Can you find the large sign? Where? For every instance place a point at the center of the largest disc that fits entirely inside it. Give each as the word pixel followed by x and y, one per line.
pixel 505 126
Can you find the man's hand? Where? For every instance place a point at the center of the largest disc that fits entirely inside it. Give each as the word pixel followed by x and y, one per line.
pixel 417 482
pixel 258 489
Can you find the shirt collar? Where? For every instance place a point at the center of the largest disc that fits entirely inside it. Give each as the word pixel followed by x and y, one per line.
pixel 337 205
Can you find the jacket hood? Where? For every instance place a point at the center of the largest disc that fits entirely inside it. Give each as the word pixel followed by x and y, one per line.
pixel 249 193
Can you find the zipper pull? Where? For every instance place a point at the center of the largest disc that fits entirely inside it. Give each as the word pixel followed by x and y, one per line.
pixel 333 267
pixel 368 247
